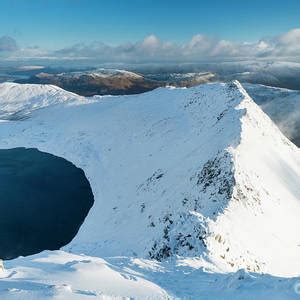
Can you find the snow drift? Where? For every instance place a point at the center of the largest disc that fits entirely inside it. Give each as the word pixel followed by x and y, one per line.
pixel 199 172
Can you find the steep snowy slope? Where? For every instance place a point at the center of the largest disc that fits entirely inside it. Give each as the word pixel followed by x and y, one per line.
pixel 282 105
pixel 19 100
pixel 199 172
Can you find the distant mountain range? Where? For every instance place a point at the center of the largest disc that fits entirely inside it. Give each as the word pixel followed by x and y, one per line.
pixel 142 78
pixel 282 105
pixel 97 82
pixel 116 82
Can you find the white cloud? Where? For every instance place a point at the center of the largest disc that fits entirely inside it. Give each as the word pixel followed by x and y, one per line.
pixel 151 42
pixel 288 43
pixel 151 49
pixel 291 37
pixel 7 44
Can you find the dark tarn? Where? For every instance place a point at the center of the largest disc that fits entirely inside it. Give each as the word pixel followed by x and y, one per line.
pixel 44 199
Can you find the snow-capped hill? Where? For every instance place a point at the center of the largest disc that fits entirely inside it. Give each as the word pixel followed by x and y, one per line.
pixel 18 100
pixel 199 172
pixel 115 72
pixel 263 211
pixel 101 72
pixel 97 82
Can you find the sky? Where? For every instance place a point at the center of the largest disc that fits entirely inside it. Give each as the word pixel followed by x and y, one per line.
pixel 43 27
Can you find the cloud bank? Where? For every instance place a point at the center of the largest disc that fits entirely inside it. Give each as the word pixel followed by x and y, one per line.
pixel 151 49
pixel 8 44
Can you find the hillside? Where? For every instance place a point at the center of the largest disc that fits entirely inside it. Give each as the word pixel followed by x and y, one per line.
pixel 17 101
pixel 196 178
pixel 97 82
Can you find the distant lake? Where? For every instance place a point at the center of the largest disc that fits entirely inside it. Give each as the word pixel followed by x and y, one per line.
pixel 11 77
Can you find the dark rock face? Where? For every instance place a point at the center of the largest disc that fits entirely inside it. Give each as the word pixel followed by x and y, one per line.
pixel 185 231
pixel 43 201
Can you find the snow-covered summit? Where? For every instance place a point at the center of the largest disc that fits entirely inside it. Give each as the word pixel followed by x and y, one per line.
pixel 19 100
pixel 199 172
pixel 100 72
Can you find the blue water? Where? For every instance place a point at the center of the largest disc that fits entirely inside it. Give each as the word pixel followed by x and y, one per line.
pixel 43 201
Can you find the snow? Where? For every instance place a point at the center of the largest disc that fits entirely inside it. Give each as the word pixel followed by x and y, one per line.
pixel 19 100
pixel 282 105
pixel 61 275
pixel 199 75
pixel 101 72
pixel 199 179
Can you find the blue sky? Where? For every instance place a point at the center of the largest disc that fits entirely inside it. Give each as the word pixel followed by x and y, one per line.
pixel 149 30
pixel 54 24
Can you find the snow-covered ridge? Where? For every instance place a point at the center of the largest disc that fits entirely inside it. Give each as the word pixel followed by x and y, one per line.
pixel 115 72
pixel 101 72
pixel 17 101
pixel 199 172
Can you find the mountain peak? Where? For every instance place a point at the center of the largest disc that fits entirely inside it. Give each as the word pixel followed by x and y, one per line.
pixel 19 100
pixel 198 172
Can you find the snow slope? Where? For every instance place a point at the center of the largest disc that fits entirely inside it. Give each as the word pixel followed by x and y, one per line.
pixel 61 275
pixel 19 100
pixel 201 173
pixel 69 276
pixel 282 105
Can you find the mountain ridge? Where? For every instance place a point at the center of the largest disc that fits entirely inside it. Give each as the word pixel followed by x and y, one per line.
pixel 183 172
